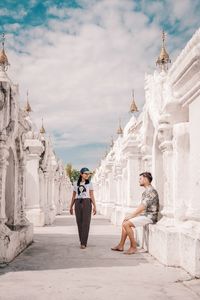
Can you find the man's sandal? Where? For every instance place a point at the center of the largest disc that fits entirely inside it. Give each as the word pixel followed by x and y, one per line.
pixel 116 249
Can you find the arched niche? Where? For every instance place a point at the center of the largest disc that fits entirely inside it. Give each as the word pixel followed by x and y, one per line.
pixel 10 189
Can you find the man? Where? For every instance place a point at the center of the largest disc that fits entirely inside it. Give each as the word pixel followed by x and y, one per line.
pixel 146 213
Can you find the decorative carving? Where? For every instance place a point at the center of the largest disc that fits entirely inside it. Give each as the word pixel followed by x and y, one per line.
pixel 2 99
pixel 165 133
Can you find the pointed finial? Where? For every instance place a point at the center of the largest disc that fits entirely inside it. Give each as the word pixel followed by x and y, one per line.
pixel 27 107
pixel 42 130
pixel 163 59
pixel 3 57
pixel 133 107
pixel 120 130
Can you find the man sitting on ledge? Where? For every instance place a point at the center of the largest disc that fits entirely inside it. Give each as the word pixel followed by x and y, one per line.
pixel 146 213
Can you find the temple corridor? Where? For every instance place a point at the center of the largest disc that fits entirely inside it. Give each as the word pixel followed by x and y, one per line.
pixel 54 267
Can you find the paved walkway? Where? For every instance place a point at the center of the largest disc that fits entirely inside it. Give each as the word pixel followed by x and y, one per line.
pixel 54 268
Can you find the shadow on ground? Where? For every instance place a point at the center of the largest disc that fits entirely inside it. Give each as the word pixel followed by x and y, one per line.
pixel 51 250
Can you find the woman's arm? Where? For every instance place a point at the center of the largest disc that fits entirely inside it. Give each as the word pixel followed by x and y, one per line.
pixel 93 202
pixel 72 202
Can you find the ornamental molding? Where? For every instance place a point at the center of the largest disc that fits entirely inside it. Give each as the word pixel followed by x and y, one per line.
pixel 185 72
pixel 33 147
pixel 194 41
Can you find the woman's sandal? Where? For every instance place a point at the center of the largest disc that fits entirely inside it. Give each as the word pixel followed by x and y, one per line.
pixel 82 246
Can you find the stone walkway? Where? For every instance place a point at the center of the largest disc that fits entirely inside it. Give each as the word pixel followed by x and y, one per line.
pixel 54 268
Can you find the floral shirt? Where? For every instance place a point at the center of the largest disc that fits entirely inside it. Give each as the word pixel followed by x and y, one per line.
pixel 150 200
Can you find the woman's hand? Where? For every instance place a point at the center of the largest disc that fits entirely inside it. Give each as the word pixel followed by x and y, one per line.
pixel 71 210
pixel 94 210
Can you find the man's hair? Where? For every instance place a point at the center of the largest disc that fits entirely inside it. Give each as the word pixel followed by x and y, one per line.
pixel 147 175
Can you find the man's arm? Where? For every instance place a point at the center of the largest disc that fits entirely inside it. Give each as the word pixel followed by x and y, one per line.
pixel 137 212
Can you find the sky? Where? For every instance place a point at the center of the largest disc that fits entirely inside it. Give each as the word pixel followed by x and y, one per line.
pixel 80 60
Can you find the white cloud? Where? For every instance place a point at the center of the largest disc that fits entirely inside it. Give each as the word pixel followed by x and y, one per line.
pixel 20 13
pixel 4 12
pixel 80 70
pixel 11 27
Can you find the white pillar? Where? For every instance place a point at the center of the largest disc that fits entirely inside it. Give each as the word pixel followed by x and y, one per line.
pixel 21 217
pixel 109 192
pixel 166 146
pixel 34 211
pixel 46 203
pixel 119 214
pixel 134 190
pixel 4 153
pixel 51 194
pixel 181 170
pixel 194 200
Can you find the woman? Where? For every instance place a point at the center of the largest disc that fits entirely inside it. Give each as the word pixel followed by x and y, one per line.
pixel 83 197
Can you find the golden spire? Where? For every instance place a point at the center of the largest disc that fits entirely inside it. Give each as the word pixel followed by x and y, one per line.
pixel 133 107
pixel 3 57
pixel 163 58
pixel 27 107
pixel 120 130
pixel 42 130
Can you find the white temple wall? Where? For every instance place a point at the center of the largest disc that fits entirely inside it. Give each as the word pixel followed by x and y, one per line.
pixel 57 197
pixel 194 125
pixel 26 157
pixel 133 166
pixel 51 203
pixel 34 205
pixel 120 200
pixel 181 179
pixel 42 190
pixel 109 194
pixel 44 177
pixel 157 170
pixel 124 190
pixel 15 231
pixel 46 197
pixel 65 191
pixel 11 189
pixel 167 143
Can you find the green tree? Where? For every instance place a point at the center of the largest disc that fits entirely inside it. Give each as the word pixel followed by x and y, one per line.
pixel 75 175
pixel 71 172
pixel 68 170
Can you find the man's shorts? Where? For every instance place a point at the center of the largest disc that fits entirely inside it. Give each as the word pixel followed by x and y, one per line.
pixel 140 221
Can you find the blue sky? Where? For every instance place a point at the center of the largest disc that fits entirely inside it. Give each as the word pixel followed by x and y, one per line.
pixel 81 59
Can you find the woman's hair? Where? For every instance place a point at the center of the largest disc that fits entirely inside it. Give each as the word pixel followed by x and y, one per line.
pixel 79 180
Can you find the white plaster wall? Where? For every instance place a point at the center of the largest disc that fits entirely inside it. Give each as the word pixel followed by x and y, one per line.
pixel 167 143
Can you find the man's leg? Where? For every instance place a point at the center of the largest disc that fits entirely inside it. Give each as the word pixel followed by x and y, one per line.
pixel 120 246
pixel 129 231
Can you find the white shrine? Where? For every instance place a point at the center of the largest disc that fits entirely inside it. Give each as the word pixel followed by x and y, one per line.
pixel 164 140
pixel 34 187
